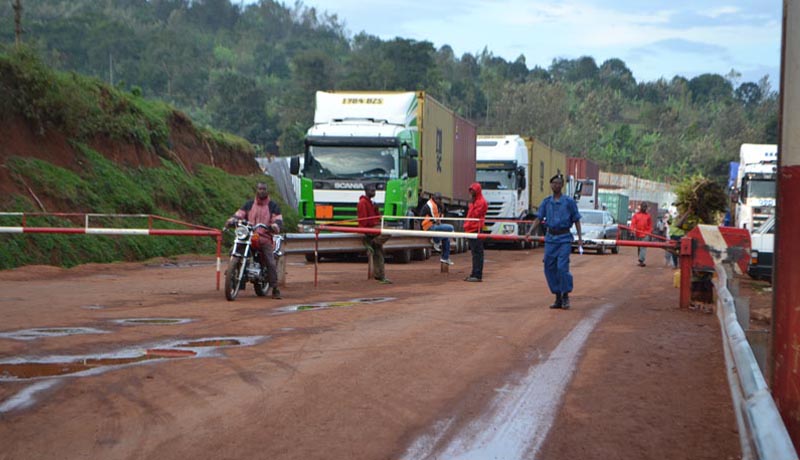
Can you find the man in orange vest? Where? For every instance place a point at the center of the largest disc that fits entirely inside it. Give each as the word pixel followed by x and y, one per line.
pixel 433 211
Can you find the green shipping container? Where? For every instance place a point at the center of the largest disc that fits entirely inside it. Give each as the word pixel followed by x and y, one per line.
pixel 616 204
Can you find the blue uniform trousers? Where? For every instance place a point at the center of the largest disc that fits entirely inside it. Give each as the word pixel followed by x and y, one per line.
pixel 556 266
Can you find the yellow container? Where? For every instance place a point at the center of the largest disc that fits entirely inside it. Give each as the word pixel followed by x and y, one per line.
pixel 676 279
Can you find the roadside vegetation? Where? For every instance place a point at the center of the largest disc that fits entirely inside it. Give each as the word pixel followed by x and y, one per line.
pixel 253 69
pixel 84 108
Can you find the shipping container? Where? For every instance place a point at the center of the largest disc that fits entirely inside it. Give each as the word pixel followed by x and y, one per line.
pixel 583 168
pixel 463 160
pixel 617 205
pixel 545 162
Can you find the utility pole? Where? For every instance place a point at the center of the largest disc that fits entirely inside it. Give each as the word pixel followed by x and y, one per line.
pixel 786 291
pixel 17 22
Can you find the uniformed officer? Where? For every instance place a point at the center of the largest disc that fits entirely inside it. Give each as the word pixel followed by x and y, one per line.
pixel 558 212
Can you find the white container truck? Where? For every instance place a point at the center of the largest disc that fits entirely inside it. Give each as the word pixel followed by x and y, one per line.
pixel 515 172
pixel 758 164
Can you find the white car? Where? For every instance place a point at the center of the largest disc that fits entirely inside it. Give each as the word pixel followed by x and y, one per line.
pixel 597 227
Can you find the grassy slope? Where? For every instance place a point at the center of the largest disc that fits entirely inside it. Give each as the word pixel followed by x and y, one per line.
pixel 82 108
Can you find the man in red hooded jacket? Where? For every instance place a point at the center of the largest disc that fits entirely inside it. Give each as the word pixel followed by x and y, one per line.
pixel 475 217
pixel 370 217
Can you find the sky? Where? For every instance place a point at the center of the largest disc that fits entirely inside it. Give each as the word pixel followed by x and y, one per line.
pixel 655 38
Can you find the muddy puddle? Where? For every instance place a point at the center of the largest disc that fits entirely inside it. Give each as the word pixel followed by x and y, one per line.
pixel 45 370
pixel 152 321
pixel 41 332
pixel 336 304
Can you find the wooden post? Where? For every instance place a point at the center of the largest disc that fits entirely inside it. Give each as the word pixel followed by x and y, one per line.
pixel 686 272
pixel 445 268
pixel 17 23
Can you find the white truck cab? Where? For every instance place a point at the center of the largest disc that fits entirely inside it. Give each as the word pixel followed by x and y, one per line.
pixel 503 170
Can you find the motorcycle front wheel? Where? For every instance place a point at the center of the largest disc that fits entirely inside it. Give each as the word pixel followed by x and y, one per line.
pixel 261 287
pixel 232 282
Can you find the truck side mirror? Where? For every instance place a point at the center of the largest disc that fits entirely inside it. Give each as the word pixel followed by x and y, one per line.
pixel 294 166
pixel 521 184
pixel 413 170
pixel 578 188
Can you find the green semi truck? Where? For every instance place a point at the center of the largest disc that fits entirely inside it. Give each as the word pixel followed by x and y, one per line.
pixel 406 143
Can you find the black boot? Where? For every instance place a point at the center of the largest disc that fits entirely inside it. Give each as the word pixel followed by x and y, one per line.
pixel 565 301
pixel 558 303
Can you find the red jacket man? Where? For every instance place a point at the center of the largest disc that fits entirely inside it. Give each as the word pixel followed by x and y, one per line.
pixel 369 216
pixel 476 212
pixel 642 225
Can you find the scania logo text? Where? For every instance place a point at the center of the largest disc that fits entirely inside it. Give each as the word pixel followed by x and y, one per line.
pixel 348 185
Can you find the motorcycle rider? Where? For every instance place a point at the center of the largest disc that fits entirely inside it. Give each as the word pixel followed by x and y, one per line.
pixel 262 210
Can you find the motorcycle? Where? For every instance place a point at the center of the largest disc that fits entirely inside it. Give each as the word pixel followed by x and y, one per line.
pixel 244 265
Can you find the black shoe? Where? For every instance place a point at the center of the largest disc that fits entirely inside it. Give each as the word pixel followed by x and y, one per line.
pixel 276 293
pixel 558 303
pixel 565 301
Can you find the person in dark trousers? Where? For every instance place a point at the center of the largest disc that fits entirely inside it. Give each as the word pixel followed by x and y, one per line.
pixel 433 211
pixel 370 217
pixel 558 213
pixel 262 210
pixel 642 225
pixel 476 214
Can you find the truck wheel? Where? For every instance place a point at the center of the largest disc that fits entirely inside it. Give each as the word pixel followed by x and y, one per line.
pixel 418 254
pixel 402 257
pixel 615 250
pixel 601 249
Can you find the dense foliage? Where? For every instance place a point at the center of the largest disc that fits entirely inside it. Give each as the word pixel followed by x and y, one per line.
pixel 253 70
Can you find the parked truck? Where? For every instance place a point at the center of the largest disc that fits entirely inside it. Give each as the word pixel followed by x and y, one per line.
pixel 406 143
pixel 755 185
pixel 587 173
pixel 514 172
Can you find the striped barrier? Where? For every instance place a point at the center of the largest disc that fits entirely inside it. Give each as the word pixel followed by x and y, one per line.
pixel 86 229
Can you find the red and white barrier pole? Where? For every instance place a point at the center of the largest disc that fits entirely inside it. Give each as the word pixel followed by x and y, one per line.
pixel 786 270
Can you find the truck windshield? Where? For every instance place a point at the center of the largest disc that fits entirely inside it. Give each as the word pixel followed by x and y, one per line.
pixel 352 162
pixel 496 179
pixel 761 189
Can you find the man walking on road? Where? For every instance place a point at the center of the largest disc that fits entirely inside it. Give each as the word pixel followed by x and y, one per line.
pixel 558 213
pixel 474 223
pixel 642 225
pixel 370 217
pixel 432 213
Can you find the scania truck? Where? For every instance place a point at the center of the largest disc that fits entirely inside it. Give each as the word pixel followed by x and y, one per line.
pixel 515 172
pixel 406 143
pixel 755 184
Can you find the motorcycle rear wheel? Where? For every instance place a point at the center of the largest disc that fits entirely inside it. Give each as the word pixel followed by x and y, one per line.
pixel 232 283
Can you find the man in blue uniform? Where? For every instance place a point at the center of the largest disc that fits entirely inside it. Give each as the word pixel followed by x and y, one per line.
pixel 558 213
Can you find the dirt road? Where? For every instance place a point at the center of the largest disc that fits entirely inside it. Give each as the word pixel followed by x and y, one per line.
pixel 428 367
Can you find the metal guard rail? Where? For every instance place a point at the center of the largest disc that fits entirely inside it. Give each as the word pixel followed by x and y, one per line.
pixel 762 433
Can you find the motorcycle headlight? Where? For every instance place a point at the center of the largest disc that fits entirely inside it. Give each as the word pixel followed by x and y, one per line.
pixel 241 233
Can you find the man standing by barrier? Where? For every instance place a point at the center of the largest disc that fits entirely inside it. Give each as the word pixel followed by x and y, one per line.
pixel 642 225
pixel 558 213
pixel 474 223
pixel 370 217
pixel 432 213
